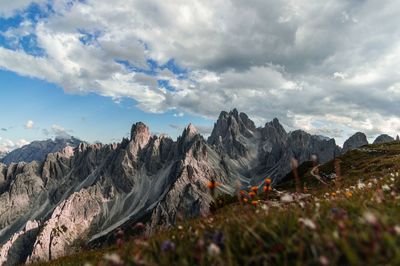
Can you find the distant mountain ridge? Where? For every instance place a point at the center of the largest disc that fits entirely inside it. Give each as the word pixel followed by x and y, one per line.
pixel 2 155
pixel 86 193
pixel 38 150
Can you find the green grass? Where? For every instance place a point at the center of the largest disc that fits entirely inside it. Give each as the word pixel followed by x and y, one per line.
pixel 361 229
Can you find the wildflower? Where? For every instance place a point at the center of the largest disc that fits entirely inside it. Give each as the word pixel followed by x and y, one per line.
pixel 218 238
pixel 369 185
pixel 308 223
pixel 254 203
pixel 397 229
pixel 242 193
pixel 213 250
pixel 245 200
pixel 333 194
pixel 385 187
pixel 324 260
pixel 360 185
pixel 349 194
pixel 264 207
pixel 120 238
pixel 200 244
pixel 266 189
pixel 139 226
pixel 252 194
pixel 335 234
pixel 267 181
pixel 370 218
pixel 113 259
pixel 168 246
pixel 338 213
pixel 212 185
pixel 120 243
pixel 287 198
pixel 254 189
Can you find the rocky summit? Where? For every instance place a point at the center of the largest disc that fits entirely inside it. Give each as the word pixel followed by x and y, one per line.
pixel 357 140
pixel 384 138
pixel 84 194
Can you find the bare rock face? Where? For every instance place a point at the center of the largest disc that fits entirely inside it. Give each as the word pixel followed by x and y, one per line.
pixel 84 194
pixel 70 220
pixel 357 140
pixel 17 248
pixel 384 138
pixel 265 151
pixel 230 131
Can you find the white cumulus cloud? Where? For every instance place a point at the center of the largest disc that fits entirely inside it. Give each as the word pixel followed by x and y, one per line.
pixel 29 124
pixel 313 64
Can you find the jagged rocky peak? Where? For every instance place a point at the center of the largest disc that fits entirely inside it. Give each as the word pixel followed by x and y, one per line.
pixel 273 131
pixel 83 146
pixel 190 131
pixel 68 151
pixel 357 140
pixel 140 134
pixel 230 126
pixel 231 132
pixel 383 138
pixel 189 136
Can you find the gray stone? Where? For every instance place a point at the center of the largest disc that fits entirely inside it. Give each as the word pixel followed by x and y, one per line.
pixel 384 138
pixel 355 141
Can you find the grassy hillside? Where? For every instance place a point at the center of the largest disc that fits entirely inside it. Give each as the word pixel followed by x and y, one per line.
pixel 352 220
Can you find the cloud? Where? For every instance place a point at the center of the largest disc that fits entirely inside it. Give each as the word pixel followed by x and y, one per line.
pixel 180 114
pixel 202 129
pixel 29 124
pixel 57 131
pixel 313 64
pixel 8 8
pixel 7 145
pixel 60 132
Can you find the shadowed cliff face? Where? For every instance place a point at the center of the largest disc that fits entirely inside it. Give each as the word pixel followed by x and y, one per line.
pixel 84 194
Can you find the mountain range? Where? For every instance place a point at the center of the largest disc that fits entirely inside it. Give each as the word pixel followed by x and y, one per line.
pixel 38 150
pixel 84 194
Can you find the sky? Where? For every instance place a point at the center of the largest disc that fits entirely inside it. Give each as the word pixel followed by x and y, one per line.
pixel 91 68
